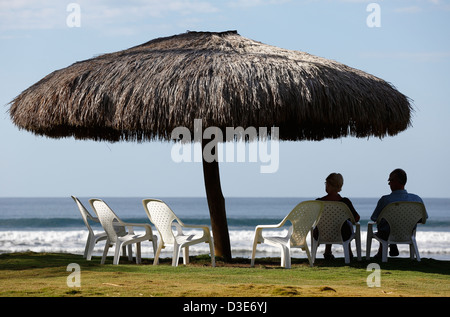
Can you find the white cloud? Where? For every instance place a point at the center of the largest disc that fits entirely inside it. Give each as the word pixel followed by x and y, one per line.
pixel 49 14
pixel 410 9
pixel 422 5
pixel 435 56
pixel 25 14
pixel 254 3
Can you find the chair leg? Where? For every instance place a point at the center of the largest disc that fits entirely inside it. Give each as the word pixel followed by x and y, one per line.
pixel 86 248
pixel 308 254
pixel 358 244
pixel 411 251
pixel 285 257
pixel 211 251
pixel 130 252
pixel 105 252
pixel 416 250
pixel 288 259
pixel 255 244
pixel 384 251
pixel 176 254
pixel 186 255
pixel 369 238
pixel 90 247
pixel 314 246
pixel 138 253
pixel 117 254
pixel 346 246
pixel 154 245
pixel 368 247
pixel 158 252
pixel 282 257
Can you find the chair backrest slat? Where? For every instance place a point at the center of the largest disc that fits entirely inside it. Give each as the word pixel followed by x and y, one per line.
pixel 84 214
pixel 303 217
pixel 162 217
pixel 402 218
pixel 106 217
pixel 334 214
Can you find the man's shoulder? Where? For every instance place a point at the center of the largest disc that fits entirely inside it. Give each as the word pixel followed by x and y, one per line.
pixel 385 198
pixel 400 196
pixel 414 197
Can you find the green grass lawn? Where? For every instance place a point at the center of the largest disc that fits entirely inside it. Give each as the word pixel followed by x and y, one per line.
pixel 46 275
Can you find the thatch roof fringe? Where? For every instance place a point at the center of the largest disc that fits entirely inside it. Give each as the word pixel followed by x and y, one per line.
pixel 143 93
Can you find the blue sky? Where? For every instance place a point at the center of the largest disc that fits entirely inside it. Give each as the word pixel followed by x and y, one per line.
pixel 410 49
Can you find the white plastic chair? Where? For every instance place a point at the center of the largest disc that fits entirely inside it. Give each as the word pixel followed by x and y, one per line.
pixel 164 219
pixel 111 223
pixel 336 213
pixel 93 237
pixel 402 218
pixel 303 217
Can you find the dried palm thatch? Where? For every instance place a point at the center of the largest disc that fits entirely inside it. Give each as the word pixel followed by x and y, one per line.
pixel 226 80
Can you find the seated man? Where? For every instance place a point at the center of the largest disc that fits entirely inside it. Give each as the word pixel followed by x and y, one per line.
pixel 397 180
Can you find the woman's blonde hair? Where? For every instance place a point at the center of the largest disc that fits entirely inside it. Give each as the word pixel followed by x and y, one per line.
pixel 336 181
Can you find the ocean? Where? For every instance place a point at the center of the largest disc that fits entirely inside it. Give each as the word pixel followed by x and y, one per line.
pixel 55 224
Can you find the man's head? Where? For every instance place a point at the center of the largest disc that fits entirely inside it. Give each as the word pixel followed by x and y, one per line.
pixel 397 179
pixel 335 182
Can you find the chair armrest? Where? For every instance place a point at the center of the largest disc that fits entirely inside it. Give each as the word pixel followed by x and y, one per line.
pixel 131 226
pixel 205 229
pixel 118 224
pixel 269 226
pixel 195 226
pixel 180 227
pixel 258 230
pixel 279 225
pixel 93 218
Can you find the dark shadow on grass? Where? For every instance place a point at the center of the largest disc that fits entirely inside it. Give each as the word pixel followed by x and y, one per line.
pixel 31 260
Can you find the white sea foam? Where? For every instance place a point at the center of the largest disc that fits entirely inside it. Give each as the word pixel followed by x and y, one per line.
pixel 432 244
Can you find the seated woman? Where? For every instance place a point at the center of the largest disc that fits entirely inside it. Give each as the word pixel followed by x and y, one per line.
pixel 333 185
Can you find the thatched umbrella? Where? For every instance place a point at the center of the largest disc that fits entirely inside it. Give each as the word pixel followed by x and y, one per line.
pixel 143 93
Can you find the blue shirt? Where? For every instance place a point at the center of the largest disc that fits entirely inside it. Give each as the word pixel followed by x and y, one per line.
pixel 396 195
